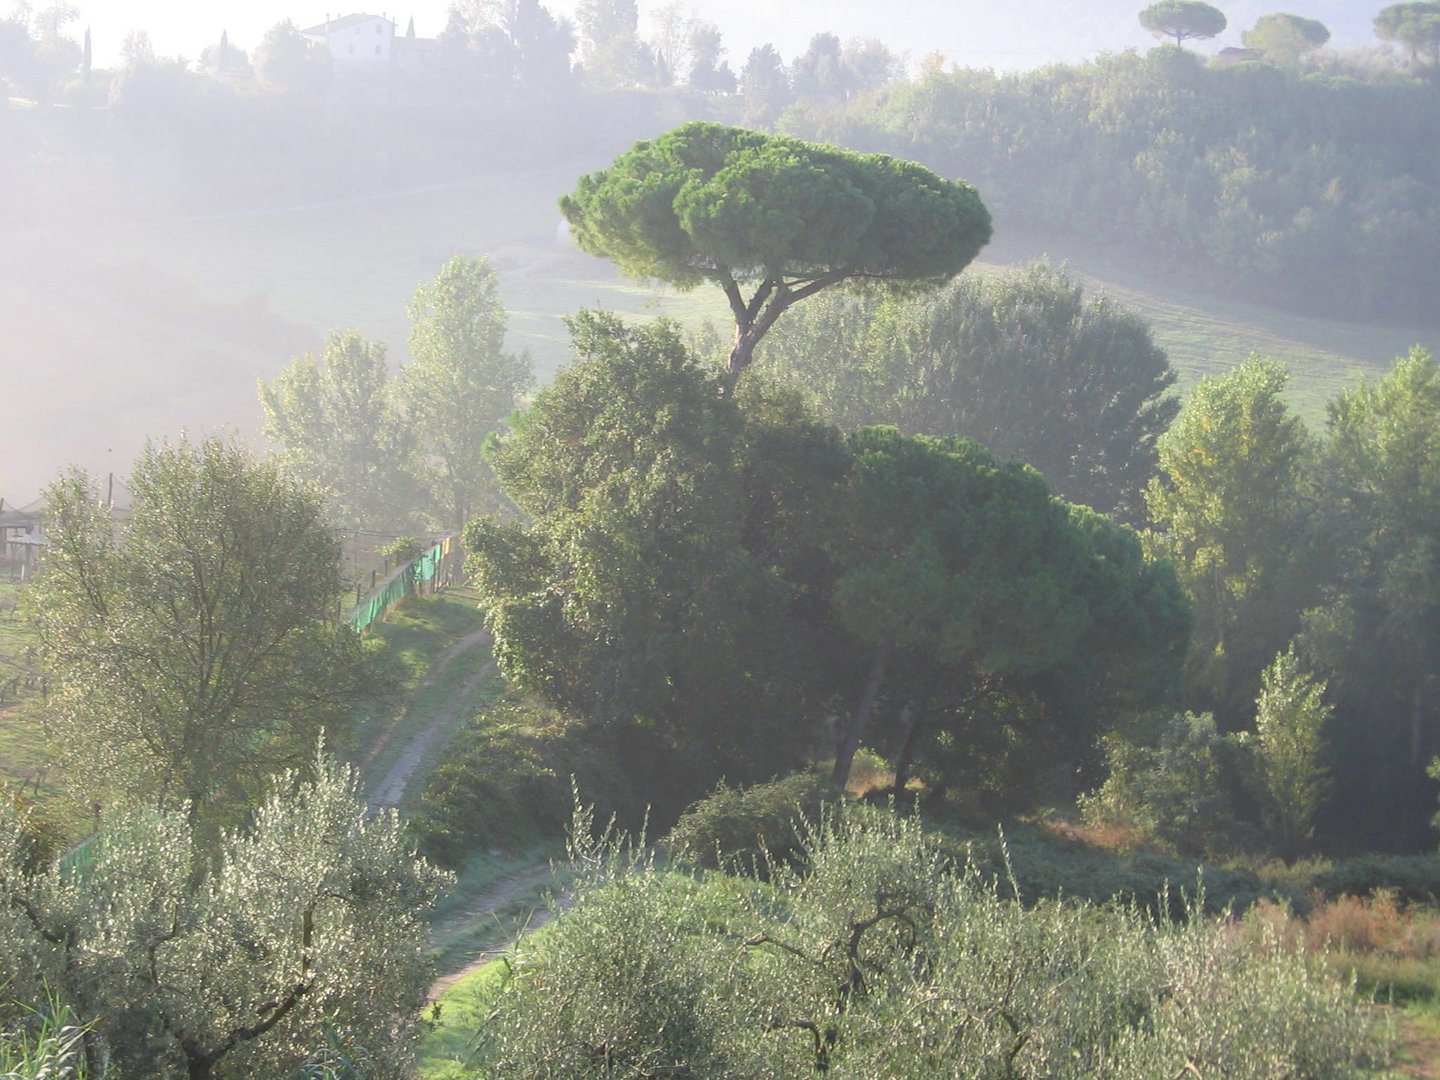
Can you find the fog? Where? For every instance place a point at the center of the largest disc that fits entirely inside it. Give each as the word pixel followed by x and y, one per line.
pixel 169 240
pixel 984 33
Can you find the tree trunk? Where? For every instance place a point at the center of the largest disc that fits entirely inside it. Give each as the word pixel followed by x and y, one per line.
pixel 864 708
pixel 906 754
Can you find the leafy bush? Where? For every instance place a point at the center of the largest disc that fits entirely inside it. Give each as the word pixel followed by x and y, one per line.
pixel 887 959
pixel 1413 879
pixel 748 828
pixel 1175 793
pixel 506 780
pixel 1042 867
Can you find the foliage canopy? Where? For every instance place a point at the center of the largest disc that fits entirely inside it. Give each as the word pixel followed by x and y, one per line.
pixel 195 645
pixel 706 202
pixel 1182 19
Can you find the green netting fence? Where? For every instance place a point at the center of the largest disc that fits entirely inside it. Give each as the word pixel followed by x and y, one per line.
pixel 442 565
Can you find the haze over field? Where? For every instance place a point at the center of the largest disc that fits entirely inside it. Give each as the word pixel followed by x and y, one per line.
pixel 1002 34
pixel 159 261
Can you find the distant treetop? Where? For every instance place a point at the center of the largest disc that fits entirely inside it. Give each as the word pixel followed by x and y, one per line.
pixel 1415 24
pixel 1182 19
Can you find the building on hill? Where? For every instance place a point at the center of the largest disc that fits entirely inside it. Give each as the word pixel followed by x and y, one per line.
pixel 357 42
pixel 369 57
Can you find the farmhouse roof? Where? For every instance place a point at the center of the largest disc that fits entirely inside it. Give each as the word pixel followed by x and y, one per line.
pixel 329 26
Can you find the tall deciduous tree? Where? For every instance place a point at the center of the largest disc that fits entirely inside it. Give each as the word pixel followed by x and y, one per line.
pixel 613 55
pixel 1023 363
pixel 764 86
pixel 287 62
pixel 460 384
pixel 299 944
pixel 1380 634
pixel 335 417
pixel 194 644
pixel 1182 19
pixel 706 202
pixel 1289 716
pixel 1227 509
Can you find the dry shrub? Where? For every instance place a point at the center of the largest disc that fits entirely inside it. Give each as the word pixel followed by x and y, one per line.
pixel 1117 839
pixel 1356 924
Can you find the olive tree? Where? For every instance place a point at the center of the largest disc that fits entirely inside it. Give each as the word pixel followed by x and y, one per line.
pixel 781 217
pixel 301 941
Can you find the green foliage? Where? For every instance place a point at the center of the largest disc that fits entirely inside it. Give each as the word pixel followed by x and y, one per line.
pixel 460 385
pixel 1289 716
pixel 1379 633
pixel 1036 865
pixel 1412 879
pixel 706 202
pixel 1022 363
pixel 751 829
pixel 958 573
pixel 1182 19
pixel 1228 511
pixel 886 959
pixel 1176 793
pixel 1251 177
pixel 303 933
pixel 1283 38
pixel 193 647
pixel 506 781
pixel 48 1045
pixel 659 583
pixel 1414 24
pixel 336 417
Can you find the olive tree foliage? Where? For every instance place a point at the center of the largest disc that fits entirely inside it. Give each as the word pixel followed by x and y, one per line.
pixel 460 384
pixel 1182 19
pixel 300 944
pixel 777 216
pixel 885 956
pixel 1023 363
pixel 337 419
pixel 1229 510
pixel 1290 716
pixel 1284 38
pixel 193 645
pixel 1414 24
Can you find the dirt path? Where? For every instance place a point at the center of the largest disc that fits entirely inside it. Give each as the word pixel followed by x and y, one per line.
pixel 505 897
pixel 391 790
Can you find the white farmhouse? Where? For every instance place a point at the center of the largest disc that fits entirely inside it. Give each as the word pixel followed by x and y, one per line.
pixel 357 42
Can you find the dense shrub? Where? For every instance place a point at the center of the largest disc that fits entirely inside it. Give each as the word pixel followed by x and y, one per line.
pixel 1176 793
pixel 747 828
pixel 887 959
pixel 1041 867
pixel 507 780
pixel 1412 879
